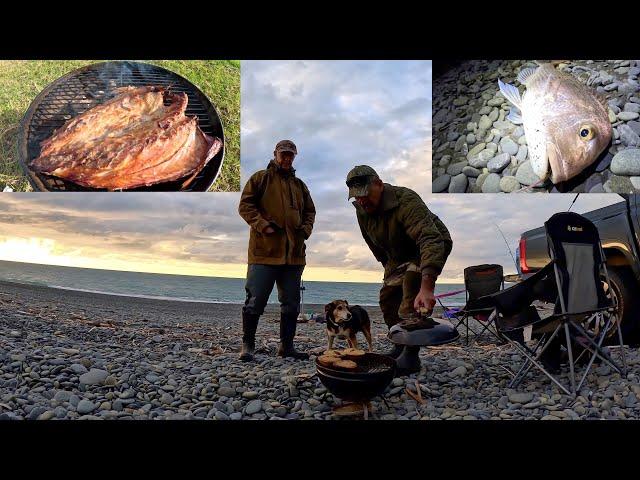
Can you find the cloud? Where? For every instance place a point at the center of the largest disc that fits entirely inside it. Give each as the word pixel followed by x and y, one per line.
pixel 339 114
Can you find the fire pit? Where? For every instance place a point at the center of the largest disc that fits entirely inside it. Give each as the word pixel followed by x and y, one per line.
pixel 372 376
pixel 86 87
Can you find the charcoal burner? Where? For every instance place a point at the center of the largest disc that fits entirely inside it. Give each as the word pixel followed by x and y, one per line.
pixel 370 379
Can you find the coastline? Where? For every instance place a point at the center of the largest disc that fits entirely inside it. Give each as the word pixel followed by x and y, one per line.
pixel 78 355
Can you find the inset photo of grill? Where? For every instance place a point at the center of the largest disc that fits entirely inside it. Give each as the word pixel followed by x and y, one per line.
pixel 168 125
pixel 524 126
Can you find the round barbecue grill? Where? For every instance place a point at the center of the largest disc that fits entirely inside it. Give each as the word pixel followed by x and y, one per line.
pixel 372 376
pixel 92 85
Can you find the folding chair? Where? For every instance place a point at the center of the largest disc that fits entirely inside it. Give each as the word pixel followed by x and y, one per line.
pixel 479 281
pixel 573 281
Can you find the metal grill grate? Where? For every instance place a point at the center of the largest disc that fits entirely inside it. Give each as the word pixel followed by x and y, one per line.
pixel 369 363
pixel 373 364
pixel 89 86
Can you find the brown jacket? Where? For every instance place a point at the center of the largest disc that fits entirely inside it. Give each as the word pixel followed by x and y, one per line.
pixel 405 230
pixel 277 198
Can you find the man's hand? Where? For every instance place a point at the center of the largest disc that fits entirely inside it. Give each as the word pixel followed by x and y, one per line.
pixel 425 299
pixel 268 230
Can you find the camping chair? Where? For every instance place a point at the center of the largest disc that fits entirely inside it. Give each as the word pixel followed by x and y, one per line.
pixel 573 282
pixel 479 281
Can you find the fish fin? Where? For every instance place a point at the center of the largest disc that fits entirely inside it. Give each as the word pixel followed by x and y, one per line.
pixel 515 116
pixel 525 74
pixel 510 92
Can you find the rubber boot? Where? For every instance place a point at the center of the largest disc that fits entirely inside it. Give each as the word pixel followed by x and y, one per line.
pixel 288 324
pixel 395 352
pixel 249 326
pixel 408 362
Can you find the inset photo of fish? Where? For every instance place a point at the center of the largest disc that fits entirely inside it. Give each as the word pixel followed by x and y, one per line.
pixel 529 126
pixel 75 125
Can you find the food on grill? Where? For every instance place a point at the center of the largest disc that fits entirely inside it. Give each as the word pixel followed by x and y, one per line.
pixel 130 141
pixel 352 353
pixel 346 359
pixel 331 353
pixel 328 360
pixel 346 364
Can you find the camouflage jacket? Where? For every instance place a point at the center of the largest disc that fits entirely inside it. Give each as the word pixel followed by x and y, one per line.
pixel 405 230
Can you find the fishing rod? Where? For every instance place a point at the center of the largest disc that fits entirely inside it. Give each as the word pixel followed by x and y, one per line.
pixel 515 262
pixel 574 201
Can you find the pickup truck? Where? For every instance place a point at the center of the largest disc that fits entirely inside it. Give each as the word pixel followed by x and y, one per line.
pixel 619 228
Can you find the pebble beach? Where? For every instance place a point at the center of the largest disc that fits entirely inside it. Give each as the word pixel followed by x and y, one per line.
pixel 476 149
pixel 74 355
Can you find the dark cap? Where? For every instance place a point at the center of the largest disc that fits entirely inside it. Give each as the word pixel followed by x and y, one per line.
pixel 359 179
pixel 286 146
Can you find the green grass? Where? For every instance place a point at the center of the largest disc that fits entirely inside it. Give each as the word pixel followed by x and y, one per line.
pixel 21 81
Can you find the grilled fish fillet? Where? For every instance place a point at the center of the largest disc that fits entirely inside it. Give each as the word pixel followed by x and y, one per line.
pixel 130 141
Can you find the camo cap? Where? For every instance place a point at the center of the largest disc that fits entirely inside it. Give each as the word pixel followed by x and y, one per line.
pixel 359 179
pixel 286 146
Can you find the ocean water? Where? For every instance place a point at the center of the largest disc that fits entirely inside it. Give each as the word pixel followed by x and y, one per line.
pixel 188 288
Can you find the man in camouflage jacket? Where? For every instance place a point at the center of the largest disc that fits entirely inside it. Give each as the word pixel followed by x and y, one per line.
pixel 409 240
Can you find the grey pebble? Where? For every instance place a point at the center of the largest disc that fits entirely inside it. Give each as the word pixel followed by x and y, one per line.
pixel 509 184
pixel 525 174
pixel 471 171
pixel 85 406
pixel 618 184
pixel 509 146
pixel 94 376
pixel 491 184
pixel 458 184
pixel 456 168
pixel 627 115
pixel 628 136
pixel 220 415
pixel 520 397
pixel 226 391
pixel 499 162
pixel 78 368
pixel 253 407
pixel 441 183
pixel 626 162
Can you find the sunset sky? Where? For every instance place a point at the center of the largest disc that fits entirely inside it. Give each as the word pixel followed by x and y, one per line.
pixel 340 114
pixel 201 234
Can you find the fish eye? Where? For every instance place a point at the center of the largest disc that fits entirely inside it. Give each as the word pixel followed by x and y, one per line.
pixel 586 132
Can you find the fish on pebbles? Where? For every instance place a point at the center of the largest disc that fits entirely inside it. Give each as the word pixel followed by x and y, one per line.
pixel 565 123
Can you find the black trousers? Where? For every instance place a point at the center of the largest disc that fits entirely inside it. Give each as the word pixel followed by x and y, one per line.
pixel 260 282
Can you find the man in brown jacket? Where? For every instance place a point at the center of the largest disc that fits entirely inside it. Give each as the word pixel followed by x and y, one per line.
pixel 406 237
pixel 278 207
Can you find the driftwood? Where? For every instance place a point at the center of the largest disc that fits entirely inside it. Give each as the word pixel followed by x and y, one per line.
pixel 416 396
